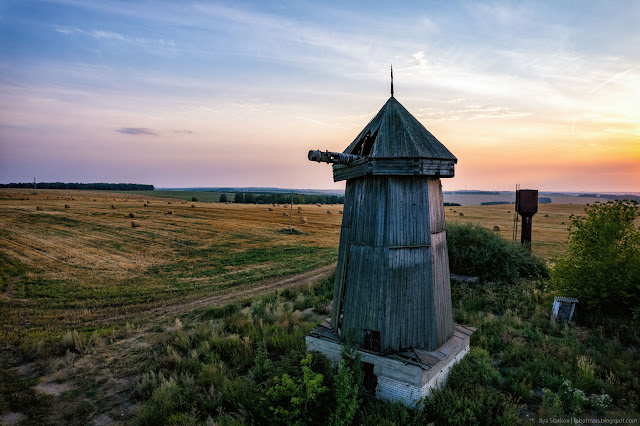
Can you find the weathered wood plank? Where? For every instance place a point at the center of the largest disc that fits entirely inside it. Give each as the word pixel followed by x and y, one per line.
pixel 392 273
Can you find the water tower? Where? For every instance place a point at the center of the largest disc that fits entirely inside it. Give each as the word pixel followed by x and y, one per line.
pixel 392 295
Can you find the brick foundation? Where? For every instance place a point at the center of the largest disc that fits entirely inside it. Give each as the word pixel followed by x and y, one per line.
pixel 405 377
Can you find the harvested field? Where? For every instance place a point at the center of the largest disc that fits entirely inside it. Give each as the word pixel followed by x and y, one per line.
pixel 549 233
pixel 81 267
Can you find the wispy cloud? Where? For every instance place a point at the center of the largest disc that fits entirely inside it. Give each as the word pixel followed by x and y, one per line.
pixel 136 131
pixel 100 34
pixel 64 30
pixel 92 33
pixel 614 78
pixel 473 112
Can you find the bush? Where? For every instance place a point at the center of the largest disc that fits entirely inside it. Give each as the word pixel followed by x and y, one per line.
pixel 467 399
pixel 348 389
pixel 601 267
pixel 295 401
pixel 474 250
pixel 194 198
pixel 223 198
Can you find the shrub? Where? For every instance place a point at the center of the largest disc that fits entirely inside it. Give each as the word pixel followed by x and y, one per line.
pixel 295 400
pixel 261 364
pixel 602 263
pixel 348 390
pixel 474 250
pixel 194 198
pixel 164 401
pixel 466 399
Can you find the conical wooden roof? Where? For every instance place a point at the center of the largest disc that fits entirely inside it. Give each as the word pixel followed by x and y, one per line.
pixel 395 133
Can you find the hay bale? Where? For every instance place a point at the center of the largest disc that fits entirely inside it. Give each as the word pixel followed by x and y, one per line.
pixel 496 228
pixel 303 219
pixel 67 206
pixel 132 215
pixel 461 214
pixel 94 199
pixel 509 211
pixel 135 224
pixel 270 209
pixel 286 206
pixel 284 214
pixel 38 208
pixel 193 206
pixel 340 211
pixel 546 215
pixel 318 205
pixel 113 207
pixel 455 211
pixel 299 210
pixel 168 202
pixel 170 212
pixel 145 205
pixel 329 212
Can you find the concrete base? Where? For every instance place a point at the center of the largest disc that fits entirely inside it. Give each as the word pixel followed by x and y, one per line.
pixel 407 376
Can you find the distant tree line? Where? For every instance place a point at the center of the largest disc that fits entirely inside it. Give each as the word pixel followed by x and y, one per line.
pixel 451 204
pixel 541 200
pixel 97 186
pixel 494 203
pixel 613 197
pixel 284 198
pixel 477 192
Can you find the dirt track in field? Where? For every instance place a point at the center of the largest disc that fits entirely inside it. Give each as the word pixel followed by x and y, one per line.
pixel 112 369
pixel 234 295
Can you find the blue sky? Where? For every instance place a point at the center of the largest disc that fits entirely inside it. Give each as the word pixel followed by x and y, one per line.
pixel 546 94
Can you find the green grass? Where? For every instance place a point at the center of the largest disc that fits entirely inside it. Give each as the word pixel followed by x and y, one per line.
pixel 520 364
pixel 35 300
pixel 207 368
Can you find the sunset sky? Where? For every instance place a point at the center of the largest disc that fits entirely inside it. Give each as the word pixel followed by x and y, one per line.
pixel 179 94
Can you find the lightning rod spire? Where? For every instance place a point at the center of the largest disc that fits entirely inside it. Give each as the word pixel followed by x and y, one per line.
pixel 392 80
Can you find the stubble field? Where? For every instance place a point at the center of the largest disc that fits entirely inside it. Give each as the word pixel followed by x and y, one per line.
pixel 85 267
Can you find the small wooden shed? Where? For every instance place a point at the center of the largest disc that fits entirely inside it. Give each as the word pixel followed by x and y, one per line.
pixel 563 308
pixel 392 289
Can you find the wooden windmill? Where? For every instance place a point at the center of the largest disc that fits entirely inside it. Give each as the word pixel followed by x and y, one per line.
pixel 392 289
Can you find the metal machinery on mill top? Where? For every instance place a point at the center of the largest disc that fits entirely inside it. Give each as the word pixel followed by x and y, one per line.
pixel 392 289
